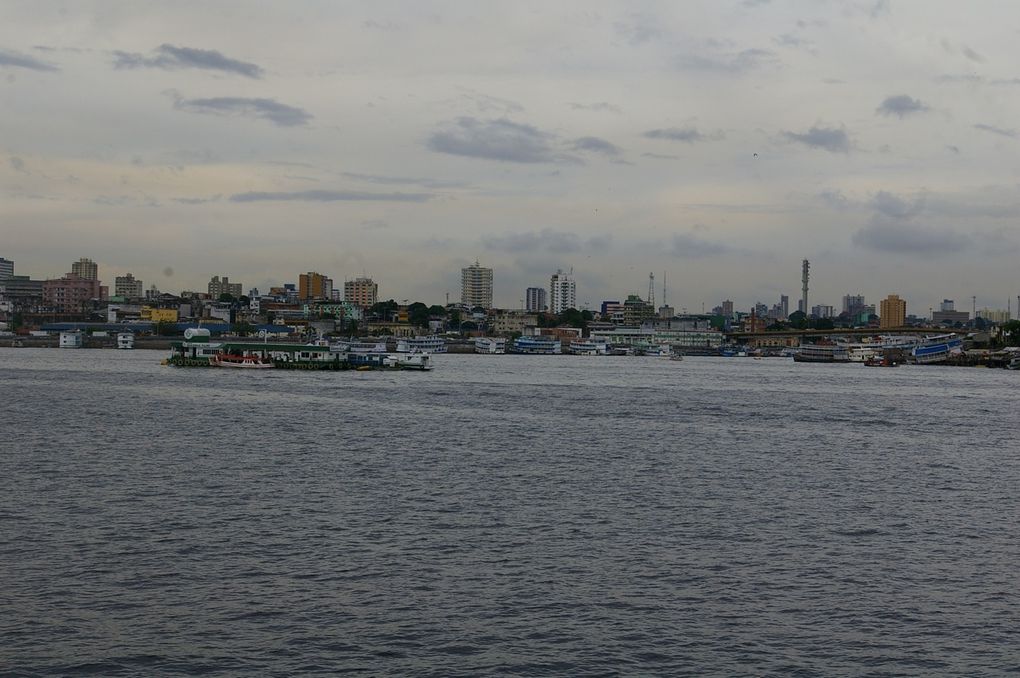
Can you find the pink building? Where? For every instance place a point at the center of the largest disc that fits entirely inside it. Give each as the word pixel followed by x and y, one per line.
pixel 70 294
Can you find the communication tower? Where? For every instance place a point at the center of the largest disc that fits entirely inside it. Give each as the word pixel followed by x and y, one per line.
pixel 805 272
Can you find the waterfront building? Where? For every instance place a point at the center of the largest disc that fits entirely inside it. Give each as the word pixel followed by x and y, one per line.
pixel 513 322
pixel 636 310
pixel 947 305
pixel 534 299
pixel 158 315
pixel 6 268
pixel 85 269
pixel 127 287
pixel 21 292
pixel 950 317
pixel 363 292
pixel 647 335
pixel 893 312
pixel 476 286
pixel 994 315
pixel 219 287
pixel 70 294
pixel 562 292
pixel 314 285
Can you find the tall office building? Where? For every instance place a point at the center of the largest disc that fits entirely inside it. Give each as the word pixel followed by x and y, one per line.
pixel 727 309
pixel 476 286
pixel 314 285
pixel 853 303
pixel 947 305
pixel 218 287
pixel 534 299
pixel 361 291
pixel 784 306
pixel 126 286
pixel 892 312
pixel 6 268
pixel 86 269
pixel 562 292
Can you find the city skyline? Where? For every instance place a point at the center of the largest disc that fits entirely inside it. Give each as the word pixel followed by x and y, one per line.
pixel 720 143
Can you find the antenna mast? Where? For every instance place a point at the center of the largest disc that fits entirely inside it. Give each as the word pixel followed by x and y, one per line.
pixel 651 290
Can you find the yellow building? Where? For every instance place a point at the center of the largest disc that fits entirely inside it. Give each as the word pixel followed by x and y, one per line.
pixel 892 312
pixel 314 285
pixel 158 315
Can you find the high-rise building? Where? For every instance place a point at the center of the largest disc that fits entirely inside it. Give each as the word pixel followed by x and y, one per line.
pixel 822 311
pixel 892 312
pixel 6 268
pixel 727 309
pixel 534 299
pixel 361 291
pixel 86 269
pixel 853 303
pixel 562 292
pixel 476 286
pixel 314 285
pixel 947 305
pixel 784 306
pixel 126 286
pixel 219 287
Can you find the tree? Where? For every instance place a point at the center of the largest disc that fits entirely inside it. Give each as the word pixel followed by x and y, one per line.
pixel 226 298
pixel 383 309
pixel 798 320
pixel 418 314
pixel 243 329
pixel 822 324
pixel 1011 333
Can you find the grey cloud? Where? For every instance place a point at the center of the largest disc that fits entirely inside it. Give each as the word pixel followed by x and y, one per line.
pixel 686 134
pixel 688 246
pixel 490 104
pixel 972 55
pixel 266 109
pixel 598 107
pixel 901 105
pixel 660 156
pixel 953 149
pixel 17 164
pixel 170 57
pixel 328 196
pixel 500 140
pixel 198 201
pixel 639 30
pixel 546 240
pixel 417 181
pixel 827 138
pixel 15 60
pixel 730 63
pixel 894 207
pixel 959 77
pixel 879 8
pixel 996 130
pixel 905 238
pixel 1006 81
pixel 595 145
pixel 835 199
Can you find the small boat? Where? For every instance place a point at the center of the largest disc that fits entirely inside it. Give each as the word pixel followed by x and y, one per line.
pixel 676 356
pixel 243 361
pixel 1014 363
pixel 879 360
pixel 125 340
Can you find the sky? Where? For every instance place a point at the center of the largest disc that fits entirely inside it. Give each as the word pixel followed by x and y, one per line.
pixel 715 143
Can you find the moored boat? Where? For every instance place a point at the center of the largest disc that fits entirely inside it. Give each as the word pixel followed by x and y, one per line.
pixel 125 340
pixel 537 345
pixel 937 349
pixel 248 361
pixel 430 344
pixel 821 353
pixel 587 347
pixel 490 345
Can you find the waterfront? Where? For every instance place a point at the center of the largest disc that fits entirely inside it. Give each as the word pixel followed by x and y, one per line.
pixel 531 515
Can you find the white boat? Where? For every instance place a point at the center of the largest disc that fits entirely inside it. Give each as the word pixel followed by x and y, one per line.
pixel 537 345
pixel 1014 363
pixel 822 353
pixel 415 360
pixel 71 339
pixel 354 346
pixel 251 362
pixel 587 347
pixel 490 345
pixel 125 340
pixel 432 344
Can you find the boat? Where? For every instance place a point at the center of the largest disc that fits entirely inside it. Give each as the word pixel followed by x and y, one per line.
pixel 936 349
pixel 676 356
pixel 654 350
pixel 490 345
pixel 415 360
pixel 537 346
pixel 431 344
pixel 587 347
pixel 71 339
pixel 355 346
pixel 125 340
pixel 821 353
pixel 1014 363
pixel 883 360
pixel 252 362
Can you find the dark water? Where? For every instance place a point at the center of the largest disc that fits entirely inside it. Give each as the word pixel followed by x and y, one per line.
pixel 507 515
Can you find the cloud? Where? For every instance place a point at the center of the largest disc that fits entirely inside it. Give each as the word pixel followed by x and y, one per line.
pixel 906 238
pixel 500 140
pixel 735 63
pixel 835 199
pixel 15 60
pixel 972 55
pixel 687 246
pixel 417 181
pixel 598 107
pixel 489 104
pixel 328 196
pixel 660 156
pixel 266 109
pixel 996 130
pixel 827 138
pixel 901 105
pixel 688 135
pixel 17 164
pixel 959 77
pixel 546 240
pixel 198 201
pixel 595 145
pixel 894 207
pixel 170 57
pixel 639 30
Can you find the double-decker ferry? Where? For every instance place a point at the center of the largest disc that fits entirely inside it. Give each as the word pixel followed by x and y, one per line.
pixel 431 344
pixel 490 345
pixel 537 345
pixel 587 347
